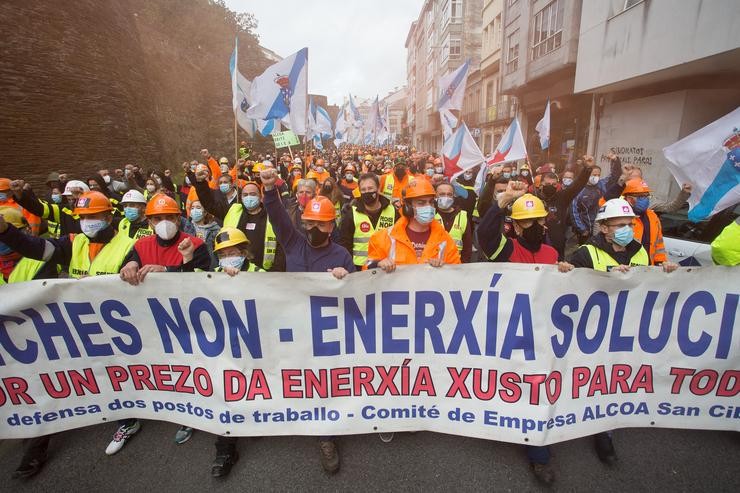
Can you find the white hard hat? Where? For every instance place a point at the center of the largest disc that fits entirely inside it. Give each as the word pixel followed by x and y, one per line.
pixel 615 208
pixel 133 197
pixel 75 184
pixel 267 163
pixel 297 160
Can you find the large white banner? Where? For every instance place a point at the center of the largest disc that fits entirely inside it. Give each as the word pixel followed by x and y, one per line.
pixel 519 353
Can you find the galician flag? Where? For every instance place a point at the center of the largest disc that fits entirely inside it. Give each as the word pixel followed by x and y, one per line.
pixel 240 88
pixel 452 88
pixel 460 152
pixel 281 93
pixel 709 160
pixel 511 147
pixel 543 127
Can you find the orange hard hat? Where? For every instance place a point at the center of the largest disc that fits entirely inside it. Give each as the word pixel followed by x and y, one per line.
pixel 635 186
pixel 4 184
pixel 418 188
pixel 161 204
pixel 320 162
pixel 319 209
pixel 350 167
pixel 92 203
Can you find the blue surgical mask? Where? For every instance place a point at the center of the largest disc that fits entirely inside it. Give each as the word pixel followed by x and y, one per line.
pixel 251 201
pixel 91 227
pixel 641 205
pixel 507 175
pixel 4 249
pixel 424 214
pixel 56 198
pixel 131 213
pixel 567 182
pixel 3 197
pixel 429 171
pixel 624 236
pixel 224 187
pixel 235 262
pixel 196 214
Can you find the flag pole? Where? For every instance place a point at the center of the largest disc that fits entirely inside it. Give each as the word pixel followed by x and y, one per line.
pixel 236 141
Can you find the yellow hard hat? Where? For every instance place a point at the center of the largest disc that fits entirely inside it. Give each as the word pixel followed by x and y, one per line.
pixel 12 216
pixel 227 237
pixel 528 207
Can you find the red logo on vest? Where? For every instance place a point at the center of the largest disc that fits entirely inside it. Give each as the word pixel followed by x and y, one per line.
pixel 364 226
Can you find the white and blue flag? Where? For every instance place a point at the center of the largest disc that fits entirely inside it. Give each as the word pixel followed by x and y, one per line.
pixel 240 88
pixel 281 93
pixel 452 88
pixel 543 127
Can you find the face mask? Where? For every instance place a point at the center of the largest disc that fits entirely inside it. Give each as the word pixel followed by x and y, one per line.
pixel 3 197
pixel 151 188
pixel 56 198
pixel 534 235
pixel 567 182
pixel 514 173
pixel 400 171
pixel 131 213
pixel 235 262
pixel 106 179
pixel 159 180
pixel 315 236
pixel 429 172
pixel 467 175
pixel 506 175
pixel 4 249
pixel 91 227
pixel 641 205
pixel 439 170
pixel 497 195
pixel 549 190
pixel 525 173
pixel 445 203
pixel 224 187
pixel 624 236
pixel 192 168
pixel 251 201
pixel 166 229
pixel 369 197
pixel 424 214
pixel 196 214
pixel 319 169
pixel 224 168
pixel 593 180
pixel 187 180
pixel 303 200
pixel 349 177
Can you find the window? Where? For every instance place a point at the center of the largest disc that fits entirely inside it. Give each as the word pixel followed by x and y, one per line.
pixel 455 11
pixel 548 29
pixel 512 52
pixel 455 48
pixel 497 32
pixel 512 2
pixel 489 94
pixel 445 49
pixel 444 15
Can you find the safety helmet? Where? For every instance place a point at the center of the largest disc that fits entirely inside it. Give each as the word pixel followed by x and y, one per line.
pixel 227 237
pixel 635 186
pixel 4 184
pixel 92 203
pixel 223 160
pixel 350 167
pixel 51 177
pixel 13 216
pixel 257 167
pixel 161 204
pixel 320 162
pixel 133 197
pixel 368 157
pixel 74 184
pixel 319 209
pixel 614 208
pixel 418 188
pixel 528 207
pixel 298 160
pixel 202 167
pixel 312 175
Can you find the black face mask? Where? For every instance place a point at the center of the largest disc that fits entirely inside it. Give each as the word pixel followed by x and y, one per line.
pixel 532 237
pixel 548 190
pixel 400 171
pixel 369 197
pixel 315 236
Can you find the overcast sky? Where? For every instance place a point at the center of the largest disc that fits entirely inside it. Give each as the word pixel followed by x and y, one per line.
pixel 354 46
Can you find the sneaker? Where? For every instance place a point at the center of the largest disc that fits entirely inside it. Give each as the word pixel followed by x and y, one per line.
pixel 386 437
pixel 222 464
pixel 29 467
pixel 329 456
pixel 544 473
pixel 605 448
pixel 121 436
pixel 183 434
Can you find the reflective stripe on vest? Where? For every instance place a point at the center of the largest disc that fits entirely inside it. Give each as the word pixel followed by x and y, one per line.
pixel 364 230
pixel 124 227
pixel 457 230
pixel 603 261
pixel 231 220
pixel 388 186
pixel 252 268
pixel 107 261
pixel 25 270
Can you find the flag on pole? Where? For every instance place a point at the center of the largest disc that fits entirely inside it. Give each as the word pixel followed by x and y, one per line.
pixel 449 123
pixel 452 88
pixel 709 160
pixel 543 127
pixel 281 93
pixel 460 152
pixel 511 147
pixel 340 130
pixel 240 88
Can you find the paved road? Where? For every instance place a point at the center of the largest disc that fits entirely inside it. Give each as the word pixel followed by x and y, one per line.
pixel 649 460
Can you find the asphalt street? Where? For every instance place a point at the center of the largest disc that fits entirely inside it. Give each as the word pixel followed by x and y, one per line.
pixel 653 460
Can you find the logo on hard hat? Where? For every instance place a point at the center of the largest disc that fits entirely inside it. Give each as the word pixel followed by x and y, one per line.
pixel 161 202
pixel 83 202
pixel 529 204
pixel 365 226
pixel 626 208
pixel 316 207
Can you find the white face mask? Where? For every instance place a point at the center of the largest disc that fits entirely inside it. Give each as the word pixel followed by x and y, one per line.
pixel 235 262
pixel 467 175
pixel 151 188
pixel 106 179
pixel 439 170
pixel 91 227
pixel 445 203
pixel 166 229
pixel 224 168
pixel 593 180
